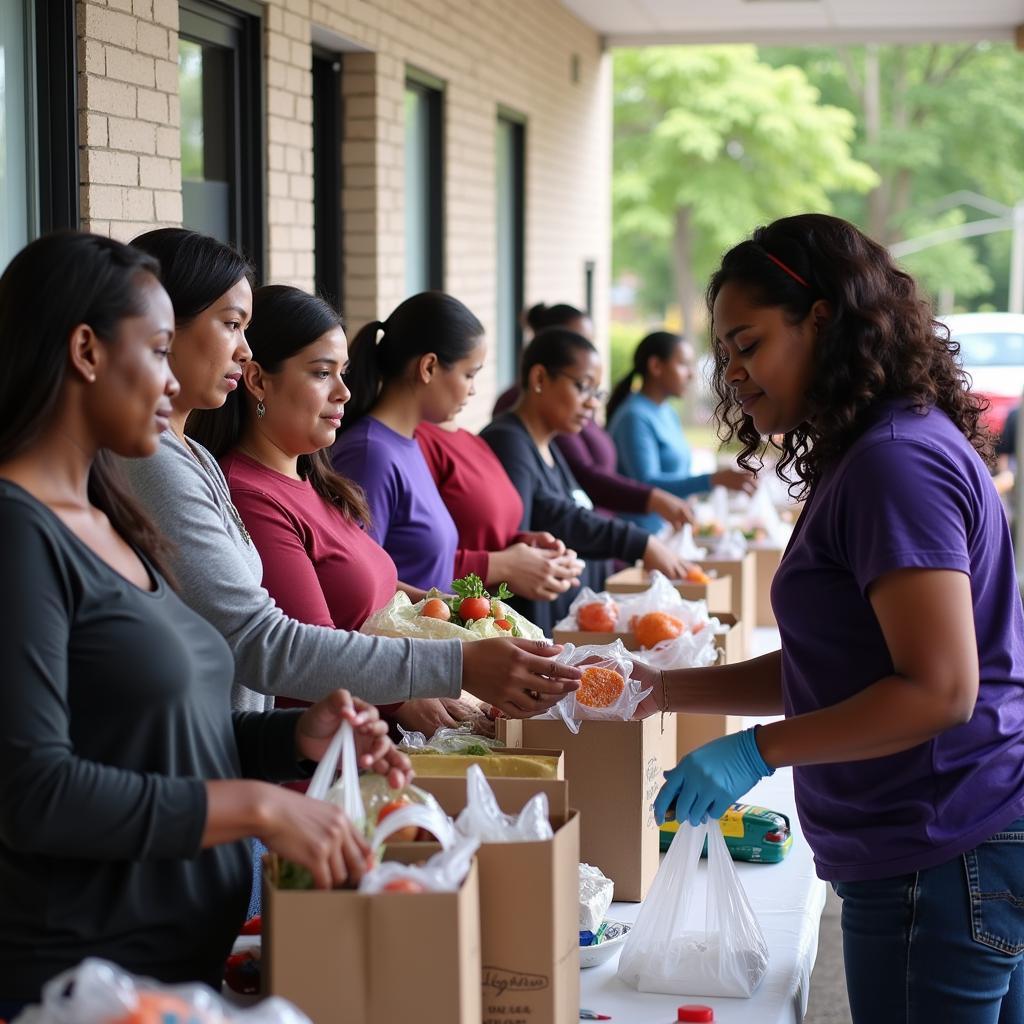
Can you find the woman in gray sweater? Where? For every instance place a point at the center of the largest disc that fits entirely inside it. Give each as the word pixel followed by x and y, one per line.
pixel 217 567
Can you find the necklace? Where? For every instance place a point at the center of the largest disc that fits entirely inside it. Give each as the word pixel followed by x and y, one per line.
pixel 233 512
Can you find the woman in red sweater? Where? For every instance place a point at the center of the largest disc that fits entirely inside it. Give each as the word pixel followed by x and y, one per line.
pixel 319 563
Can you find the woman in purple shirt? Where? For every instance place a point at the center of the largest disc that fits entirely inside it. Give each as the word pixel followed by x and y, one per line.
pixel 902 661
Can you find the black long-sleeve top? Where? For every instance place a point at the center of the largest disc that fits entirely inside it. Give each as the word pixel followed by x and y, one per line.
pixel 114 709
pixel 550 502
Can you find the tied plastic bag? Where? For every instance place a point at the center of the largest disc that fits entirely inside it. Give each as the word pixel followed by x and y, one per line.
pixel 458 740
pixel 400 617
pixel 98 992
pixel 591 701
pixel 693 940
pixel 483 819
pixel 596 892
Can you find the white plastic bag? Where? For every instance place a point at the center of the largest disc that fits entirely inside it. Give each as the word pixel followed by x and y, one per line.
pixel 612 656
pixel 682 544
pixel 444 872
pixel 695 940
pixel 689 650
pixel 99 992
pixel 483 819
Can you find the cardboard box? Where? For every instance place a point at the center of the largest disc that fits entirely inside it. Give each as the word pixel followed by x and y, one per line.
pixel 529 908
pixel 443 763
pixel 346 956
pixel 732 644
pixel 635 580
pixel 743 572
pixel 767 560
pixel 614 773
pixel 694 731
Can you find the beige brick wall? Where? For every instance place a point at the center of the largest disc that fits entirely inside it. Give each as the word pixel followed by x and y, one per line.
pixel 129 140
pixel 487 52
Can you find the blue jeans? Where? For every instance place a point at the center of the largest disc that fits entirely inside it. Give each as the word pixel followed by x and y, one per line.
pixel 940 946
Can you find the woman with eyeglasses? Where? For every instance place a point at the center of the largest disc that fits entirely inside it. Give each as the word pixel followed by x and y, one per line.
pixel 646 429
pixel 407 373
pixel 560 378
pixel 591 452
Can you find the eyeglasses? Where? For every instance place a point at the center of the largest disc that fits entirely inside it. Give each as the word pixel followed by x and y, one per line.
pixel 587 391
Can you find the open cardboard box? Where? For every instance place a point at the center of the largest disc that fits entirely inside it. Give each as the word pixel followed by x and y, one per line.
pixel 529 907
pixel 731 644
pixel 635 580
pixel 347 956
pixel 614 773
pixel 693 731
pixel 455 765
pixel 743 573
pixel 767 560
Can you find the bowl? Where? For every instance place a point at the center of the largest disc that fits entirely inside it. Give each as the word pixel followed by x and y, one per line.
pixel 615 936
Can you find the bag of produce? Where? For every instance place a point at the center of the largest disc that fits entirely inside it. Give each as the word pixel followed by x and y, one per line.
pixel 472 614
pixel 99 992
pixel 606 691
pixel 458 740
pixel 444 872
pixel 483 819
pixel 690 939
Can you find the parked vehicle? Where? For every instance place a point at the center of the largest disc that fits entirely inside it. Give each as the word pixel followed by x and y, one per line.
pixel 992 352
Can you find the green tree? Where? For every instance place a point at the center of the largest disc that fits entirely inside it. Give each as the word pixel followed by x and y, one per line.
pixel 931 120
pixel 709 142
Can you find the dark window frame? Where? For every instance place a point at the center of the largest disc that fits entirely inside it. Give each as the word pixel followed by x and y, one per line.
pixel 328 177
pixel 518 123
pixel 56 123
pixel 244 17
pixel 433 90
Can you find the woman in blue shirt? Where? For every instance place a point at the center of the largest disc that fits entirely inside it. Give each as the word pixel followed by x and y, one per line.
pixel 646 429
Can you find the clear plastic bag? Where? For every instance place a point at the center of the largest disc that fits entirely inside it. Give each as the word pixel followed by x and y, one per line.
pixel 693 940
pixel 682 544
pixel 483 819
pixel 400 617
pixel 444 872
pixel 689 650
pixel 99 992
pixel 571 710
pixel 458 740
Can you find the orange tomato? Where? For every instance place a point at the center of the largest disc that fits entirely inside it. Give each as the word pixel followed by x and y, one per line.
pixel 472 608
pixel 503 624
pixel 600 687
pixel 403 885
pixel 156 1007
pixel 652 628
pixel 435 608
pixel 598 616
pixel 697 575
pixel 403 835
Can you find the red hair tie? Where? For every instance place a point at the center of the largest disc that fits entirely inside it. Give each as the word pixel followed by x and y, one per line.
pixel 782 266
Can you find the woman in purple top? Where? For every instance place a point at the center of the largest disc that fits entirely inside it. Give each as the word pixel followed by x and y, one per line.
pixel 902 661
pixel 591 453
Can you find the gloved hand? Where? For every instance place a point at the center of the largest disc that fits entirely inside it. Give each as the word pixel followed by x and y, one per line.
pixel 711 778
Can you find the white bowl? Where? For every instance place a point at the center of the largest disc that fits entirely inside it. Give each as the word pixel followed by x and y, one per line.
pixel 591 956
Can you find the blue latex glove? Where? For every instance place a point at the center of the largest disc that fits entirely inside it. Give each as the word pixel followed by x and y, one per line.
pixel 711 778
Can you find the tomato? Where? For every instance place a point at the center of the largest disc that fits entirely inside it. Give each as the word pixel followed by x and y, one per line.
pixel 473 608
pixel 403 885
pixel 503 624
pixel 435 608
pixel 403 835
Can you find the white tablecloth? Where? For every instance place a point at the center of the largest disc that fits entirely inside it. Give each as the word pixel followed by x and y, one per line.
pixel 788 899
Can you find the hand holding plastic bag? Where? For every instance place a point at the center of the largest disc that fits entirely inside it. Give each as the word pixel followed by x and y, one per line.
pixel 483 819
pixel 592 701
pixel 99 992
pixel 695 940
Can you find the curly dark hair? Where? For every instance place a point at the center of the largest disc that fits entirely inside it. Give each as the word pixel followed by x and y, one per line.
pixel 880 342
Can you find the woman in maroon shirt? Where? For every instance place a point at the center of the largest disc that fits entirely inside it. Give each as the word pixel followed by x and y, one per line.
pixel 307 522
pixel 591 453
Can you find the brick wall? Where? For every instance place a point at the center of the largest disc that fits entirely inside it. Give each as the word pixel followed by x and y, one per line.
pixel 487 52
pixel 129 116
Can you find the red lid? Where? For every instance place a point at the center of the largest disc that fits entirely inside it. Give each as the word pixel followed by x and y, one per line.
pixel 695 1012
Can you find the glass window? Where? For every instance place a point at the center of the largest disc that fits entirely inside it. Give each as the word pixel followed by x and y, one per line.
pixel 218 83
pixel 424 250
pixel 17 198
pixel 509 192
pixel 328 131
pixel 994 348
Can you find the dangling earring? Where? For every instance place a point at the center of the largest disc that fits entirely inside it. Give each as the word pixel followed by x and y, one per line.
pixel 537 389
pixel 261 410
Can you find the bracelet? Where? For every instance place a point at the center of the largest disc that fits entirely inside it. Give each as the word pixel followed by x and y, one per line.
pixel 664 692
